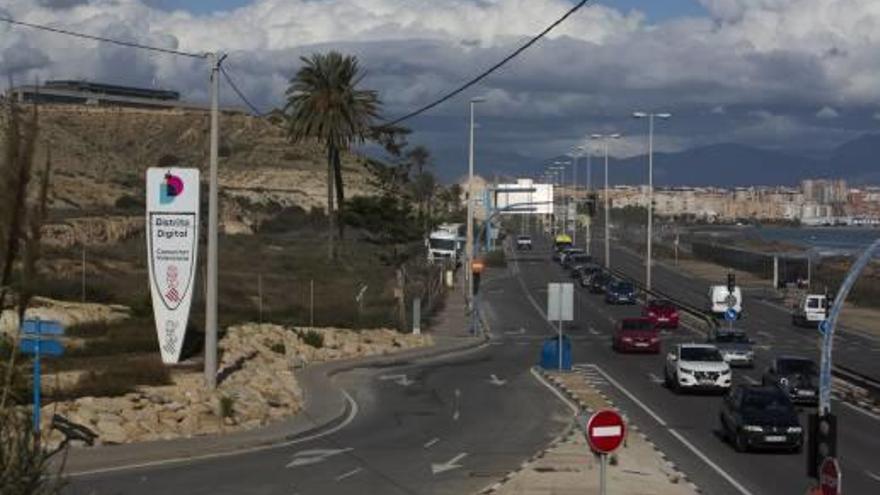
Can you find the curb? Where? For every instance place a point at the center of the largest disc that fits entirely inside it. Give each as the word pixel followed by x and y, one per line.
pixel 567 434
pixel 83 461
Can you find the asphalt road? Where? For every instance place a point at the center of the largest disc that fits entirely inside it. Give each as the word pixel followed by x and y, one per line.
pixel 447 426
pixel 686 426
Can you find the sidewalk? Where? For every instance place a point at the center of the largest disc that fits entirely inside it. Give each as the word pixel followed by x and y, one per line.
pixel 326 407
pixel 568 467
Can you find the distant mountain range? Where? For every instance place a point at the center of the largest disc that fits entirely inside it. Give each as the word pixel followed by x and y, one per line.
pixel 731 165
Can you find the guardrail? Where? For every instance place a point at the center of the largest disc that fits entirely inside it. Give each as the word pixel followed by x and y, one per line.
pixel 871 385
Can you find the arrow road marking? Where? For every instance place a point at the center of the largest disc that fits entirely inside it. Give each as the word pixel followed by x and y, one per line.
pixel 456 414
pixel 401 380
pixel 593 331
pixel 521 331
pixel 348 474
pixel 430 443
pixel 448 466
pixel 875 477
pixel 497 381
pixel 314 456
pixel 654 378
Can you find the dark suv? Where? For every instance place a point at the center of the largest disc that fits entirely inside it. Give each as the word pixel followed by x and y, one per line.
pixel 796 376
pixel 760 417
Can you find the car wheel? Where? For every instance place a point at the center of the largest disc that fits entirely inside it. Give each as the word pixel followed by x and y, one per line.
pixel 666 380
pixel 739 443
pixel 725 435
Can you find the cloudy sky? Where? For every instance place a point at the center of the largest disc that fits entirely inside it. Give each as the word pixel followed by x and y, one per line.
pixel 797 75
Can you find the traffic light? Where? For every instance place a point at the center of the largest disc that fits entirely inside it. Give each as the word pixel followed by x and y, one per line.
pixel 476 270
pixel 821 441
pixel 591 204
pixel 731 282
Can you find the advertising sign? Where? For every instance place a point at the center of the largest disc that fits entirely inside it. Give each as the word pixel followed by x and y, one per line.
pixel 172 246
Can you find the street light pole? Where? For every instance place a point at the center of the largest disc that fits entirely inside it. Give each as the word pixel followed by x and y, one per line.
pixel 605 139
pixel 469 246
pixel 211 269
pixel 649 240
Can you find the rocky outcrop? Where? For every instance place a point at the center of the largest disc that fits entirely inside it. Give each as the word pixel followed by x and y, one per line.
pixel 65 312
pixel 256 385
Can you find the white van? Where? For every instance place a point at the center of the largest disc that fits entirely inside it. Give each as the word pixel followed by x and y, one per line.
pixel 811 309
pixel 720 300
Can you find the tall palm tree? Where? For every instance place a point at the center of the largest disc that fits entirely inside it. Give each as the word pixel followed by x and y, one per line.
pixel 324 103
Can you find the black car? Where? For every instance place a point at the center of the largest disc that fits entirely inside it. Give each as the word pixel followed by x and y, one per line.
pixel 599 281
pixel 580 270
pixel 760 417
pixel 620 292
pixel 796 376
pixel 575 256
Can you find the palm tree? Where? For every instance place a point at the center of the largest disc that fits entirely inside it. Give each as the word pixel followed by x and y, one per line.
pixel 325 104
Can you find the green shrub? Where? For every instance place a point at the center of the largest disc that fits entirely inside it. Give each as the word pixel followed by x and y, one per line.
pixel 312 338
pixel 227 406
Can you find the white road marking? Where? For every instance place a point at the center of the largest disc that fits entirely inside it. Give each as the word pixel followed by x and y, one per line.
pixel 430 443
pixel 875 477
pixel 352 413
pixel 861 410
pixel 521 331
pixel 348 474
pixel 314 456
pixel 457 413
pixel 593 331
pixel 655 379
pixel 718 469
pixel 401 380
pixel 766 335
pixel 565 400
pixel 449 465
pixel 750 380
pixel 494 380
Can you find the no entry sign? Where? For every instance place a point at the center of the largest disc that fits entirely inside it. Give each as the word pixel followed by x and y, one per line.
pixel 605 431
pixel 829 477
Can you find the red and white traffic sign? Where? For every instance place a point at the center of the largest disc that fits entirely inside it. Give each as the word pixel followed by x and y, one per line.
pixel 605 431
pixel 829 477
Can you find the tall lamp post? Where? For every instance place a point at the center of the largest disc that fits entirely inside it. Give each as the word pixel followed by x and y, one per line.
pixel 558 181
pixel 469 246
pixel 582 149
pixel 605 138
pixel 650 117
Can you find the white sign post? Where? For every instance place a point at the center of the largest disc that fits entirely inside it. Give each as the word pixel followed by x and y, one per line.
pixel 560 307
pixel 172 246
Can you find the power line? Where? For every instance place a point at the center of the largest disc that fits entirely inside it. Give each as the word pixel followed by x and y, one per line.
pixel 238 92
pixel 129 44
pixel 490 70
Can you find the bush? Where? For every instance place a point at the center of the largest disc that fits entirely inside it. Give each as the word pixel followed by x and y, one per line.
pixel 278 348
pixel 227 406
pixel 312 338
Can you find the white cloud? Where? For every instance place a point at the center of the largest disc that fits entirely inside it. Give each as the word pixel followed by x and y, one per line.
pixel 592 71
pixel 827 113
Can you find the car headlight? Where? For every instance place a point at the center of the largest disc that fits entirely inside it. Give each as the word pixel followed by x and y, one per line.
pixel 753 428
pixel 627 339
pixel 794 429
pixel 725 372
pixel 686 371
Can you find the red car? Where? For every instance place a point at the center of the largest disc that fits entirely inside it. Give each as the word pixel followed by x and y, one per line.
pixel 662 313
pixel 636 335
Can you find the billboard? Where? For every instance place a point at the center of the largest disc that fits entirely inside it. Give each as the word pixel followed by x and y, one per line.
pixel 537 202
pixel 172 246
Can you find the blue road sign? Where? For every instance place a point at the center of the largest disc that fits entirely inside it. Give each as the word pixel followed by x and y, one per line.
pixel 823 327
pixel 730 314
pixel 48 347
pixel 43 327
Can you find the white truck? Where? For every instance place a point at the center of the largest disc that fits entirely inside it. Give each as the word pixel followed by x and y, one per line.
pixel 811 309
pixel 446 244
pixel 721 299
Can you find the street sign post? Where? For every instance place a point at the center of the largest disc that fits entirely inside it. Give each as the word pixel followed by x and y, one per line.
pixel 560 307
pixel 829 477
pixel 35 342
pixel 606 431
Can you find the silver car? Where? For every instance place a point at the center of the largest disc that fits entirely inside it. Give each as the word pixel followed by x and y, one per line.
pixel 735 346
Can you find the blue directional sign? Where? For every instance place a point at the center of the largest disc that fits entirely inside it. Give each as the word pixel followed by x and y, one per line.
pixel 42 327
pixel 823 327
pixel 47 347
pixel 730 314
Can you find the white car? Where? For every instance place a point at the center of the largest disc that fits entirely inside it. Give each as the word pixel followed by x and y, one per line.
pixel 810 311
pixel 697 367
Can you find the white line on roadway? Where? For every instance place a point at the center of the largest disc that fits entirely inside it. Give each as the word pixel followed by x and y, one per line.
pixel 353 412
pixel 557 393
pixel 718 469
pixel 593 331
pixel 654 378
pixel 766 335
pixel 861 410
pixel 457 413
pixel 750 379
pixel 431 442
pixel 348 474
pixel 875 477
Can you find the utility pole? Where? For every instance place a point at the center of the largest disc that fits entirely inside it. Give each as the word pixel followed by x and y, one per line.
pixel 213 213
pixel 469 246
pixel 649 240
pixel 605 138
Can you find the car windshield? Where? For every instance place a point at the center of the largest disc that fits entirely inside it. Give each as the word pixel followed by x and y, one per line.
pixel 624 287
pixel 637 325
pixel 731 338
pixel 700 354
pixel 662 304
pixel 765 400
pixel 443 244
pixel 796 366
pixel 524 238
